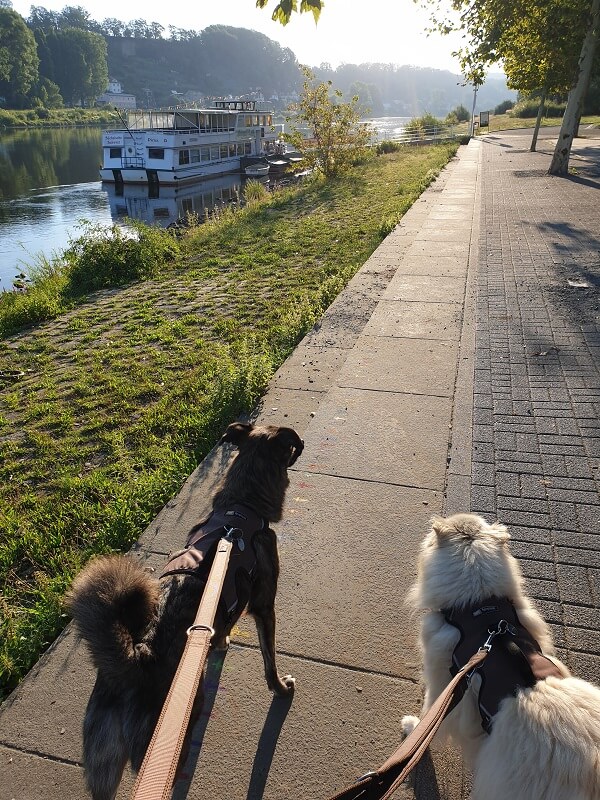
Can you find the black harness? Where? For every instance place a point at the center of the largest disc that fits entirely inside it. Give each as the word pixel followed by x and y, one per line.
pixel 515 660
pixel 240 524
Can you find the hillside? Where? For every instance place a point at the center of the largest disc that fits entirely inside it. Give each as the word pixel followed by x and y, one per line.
pixel 222 60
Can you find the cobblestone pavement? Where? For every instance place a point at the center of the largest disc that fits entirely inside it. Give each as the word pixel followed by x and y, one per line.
pixel 536 428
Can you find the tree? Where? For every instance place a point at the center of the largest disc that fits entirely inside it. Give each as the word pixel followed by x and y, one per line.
pixel 79 64
pixel 570 123
pixel 19 61
pixel 338 138
pixel 285 8
pixel 537 42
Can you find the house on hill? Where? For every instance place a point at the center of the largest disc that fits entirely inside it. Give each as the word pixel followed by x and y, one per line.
pixel 115 96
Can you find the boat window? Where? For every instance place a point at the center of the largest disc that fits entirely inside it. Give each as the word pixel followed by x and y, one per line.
pixel 156 152
pixel 224 151
pixel 269 119
pixel 214 152
pixel 202 121
pixel 240 149
pixel 232 149
pixel 248 120
pixel 195 156
pixel 115 152
pixel 205 153
pixel 184 156
pixel 247 148
pixel 185 121
pixel 255 119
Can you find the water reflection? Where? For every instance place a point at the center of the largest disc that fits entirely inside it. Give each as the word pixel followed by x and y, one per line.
pixel 171 204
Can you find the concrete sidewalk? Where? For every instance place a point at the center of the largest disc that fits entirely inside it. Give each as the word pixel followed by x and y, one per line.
pixel 383 393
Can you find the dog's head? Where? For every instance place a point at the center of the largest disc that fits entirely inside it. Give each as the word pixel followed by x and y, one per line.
pixel 258 474
pixel 272 443
pixel 465 559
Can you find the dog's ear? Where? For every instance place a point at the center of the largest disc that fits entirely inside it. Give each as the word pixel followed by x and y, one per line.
pixel 500 532
pixel 236 433
pixel 290 444
pixel 440 527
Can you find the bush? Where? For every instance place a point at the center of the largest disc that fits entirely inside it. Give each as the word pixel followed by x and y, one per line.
pixel 105 257
pixel 387 146
pixel 529 108
pixel 461 113
pixel 504 106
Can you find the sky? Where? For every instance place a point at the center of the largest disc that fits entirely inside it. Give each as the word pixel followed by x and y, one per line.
pixel 348 32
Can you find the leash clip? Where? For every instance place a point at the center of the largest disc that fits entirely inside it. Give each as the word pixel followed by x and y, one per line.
pixel 503 627
pixel 235 535
pixel 200 627
pixel 368 774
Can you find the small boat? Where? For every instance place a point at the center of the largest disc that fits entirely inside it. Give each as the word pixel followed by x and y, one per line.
pixel 278 163
pixel 257 170
pixel 187 144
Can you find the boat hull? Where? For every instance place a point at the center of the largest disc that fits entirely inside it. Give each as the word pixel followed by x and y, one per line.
pixel 168 177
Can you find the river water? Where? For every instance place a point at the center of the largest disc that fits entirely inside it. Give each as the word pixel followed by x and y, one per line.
pixel 49 185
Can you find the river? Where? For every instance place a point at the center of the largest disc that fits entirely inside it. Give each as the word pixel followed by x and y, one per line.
pixel 49 185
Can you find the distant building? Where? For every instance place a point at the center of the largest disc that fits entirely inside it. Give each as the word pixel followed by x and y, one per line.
pixel 115 96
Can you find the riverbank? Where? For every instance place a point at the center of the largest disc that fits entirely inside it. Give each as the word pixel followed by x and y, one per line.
pixel 56 117
pixel 108 408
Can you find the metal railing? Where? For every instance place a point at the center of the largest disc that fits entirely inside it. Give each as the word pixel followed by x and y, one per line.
pixel 414 134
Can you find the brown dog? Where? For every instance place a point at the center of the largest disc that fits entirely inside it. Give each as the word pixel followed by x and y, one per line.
pixel 136 625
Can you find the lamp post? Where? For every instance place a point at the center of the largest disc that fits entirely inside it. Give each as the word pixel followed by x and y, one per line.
pixel 472 131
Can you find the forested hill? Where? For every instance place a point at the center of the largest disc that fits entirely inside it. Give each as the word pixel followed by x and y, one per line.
pixel 223 60
pixel 220 60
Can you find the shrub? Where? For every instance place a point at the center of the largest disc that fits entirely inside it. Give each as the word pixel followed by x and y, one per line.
pixel 529 108
pixel 461 113
pixel 388 146
pixel 105 257
pixel 504 106
pixel 255 192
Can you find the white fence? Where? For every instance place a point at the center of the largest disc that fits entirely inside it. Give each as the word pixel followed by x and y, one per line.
pixel 418 135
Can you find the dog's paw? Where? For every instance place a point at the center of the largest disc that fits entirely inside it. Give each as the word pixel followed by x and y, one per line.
pixel 285 687
pixel 221 644
pixel 408 724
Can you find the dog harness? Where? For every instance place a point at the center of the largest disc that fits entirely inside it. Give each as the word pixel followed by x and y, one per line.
pixel 514 662
pixel 240 524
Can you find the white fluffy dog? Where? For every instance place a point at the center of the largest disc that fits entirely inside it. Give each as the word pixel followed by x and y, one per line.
pixel 544 742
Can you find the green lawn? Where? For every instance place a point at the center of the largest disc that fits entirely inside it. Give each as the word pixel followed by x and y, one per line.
pixel 108 407
pixel 504 122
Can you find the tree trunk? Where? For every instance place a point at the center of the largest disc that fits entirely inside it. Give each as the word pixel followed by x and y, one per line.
pixel 562 151
pixel 540 114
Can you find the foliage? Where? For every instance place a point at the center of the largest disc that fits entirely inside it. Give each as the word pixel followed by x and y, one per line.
pixel 504 106
pixel 108 410
pixel 462 114
pixel 529 108
pixel 77 62
pixel 255 192
pixel 337 137
pixel 285 8
pixel 418 127
pixel 104 257
pixel 18 58
pixel 56 117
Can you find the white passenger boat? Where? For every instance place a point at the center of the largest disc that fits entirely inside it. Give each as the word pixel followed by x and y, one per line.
pixel 186 144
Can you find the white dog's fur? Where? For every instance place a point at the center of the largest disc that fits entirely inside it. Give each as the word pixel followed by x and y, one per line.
pixel 545 742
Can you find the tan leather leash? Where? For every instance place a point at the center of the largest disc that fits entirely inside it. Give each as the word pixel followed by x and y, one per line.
pixel 382 783
pixel 155 778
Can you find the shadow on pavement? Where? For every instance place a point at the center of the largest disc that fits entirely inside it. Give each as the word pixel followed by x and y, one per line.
pixel 267 745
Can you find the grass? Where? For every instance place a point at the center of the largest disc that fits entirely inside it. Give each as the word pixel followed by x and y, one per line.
pixel 107 408
pixel 504 122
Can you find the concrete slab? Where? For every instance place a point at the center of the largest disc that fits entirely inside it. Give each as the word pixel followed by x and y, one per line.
pixel 417 288
pixel 44 714
pixel 380 436
pixel 346 572
pixel 416 366
pixel 434 265
pixel 439 248
pixel 310 368
pixel 28 776
pixel 416 320
pixel 339 725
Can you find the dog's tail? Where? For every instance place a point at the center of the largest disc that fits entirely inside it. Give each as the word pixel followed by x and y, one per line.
pixel 113 600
